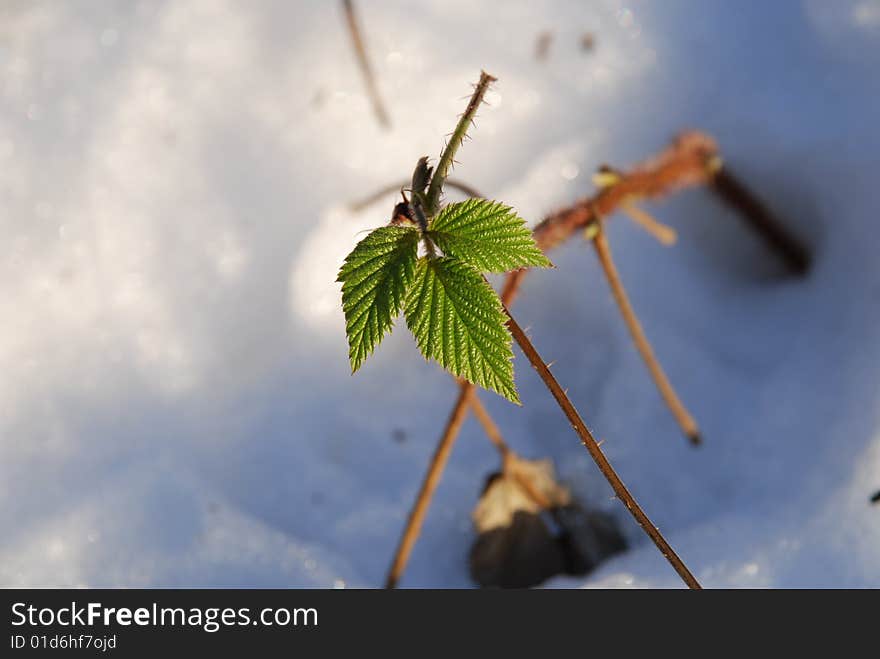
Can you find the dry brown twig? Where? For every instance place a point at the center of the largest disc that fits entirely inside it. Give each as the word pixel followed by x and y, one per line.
pixel 664 234
pixel 429 484
pixel 758 217
pixel 432 478
pixel 685 421
pixel 360 51
pixel 509 459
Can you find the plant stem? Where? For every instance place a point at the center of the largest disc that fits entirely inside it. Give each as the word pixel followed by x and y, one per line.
pixel 664 234
pixel 685 162
pixel 432 198
pixel 490 428
pixel 682 416
pixel 759 217
pixel 416 518
pixel 596 453
pixel 364 62
pixel 509 458
pixel 429 484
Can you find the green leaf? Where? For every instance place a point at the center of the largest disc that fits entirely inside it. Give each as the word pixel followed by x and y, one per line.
pixel 375 277
pixel 457 319
pixel 487 235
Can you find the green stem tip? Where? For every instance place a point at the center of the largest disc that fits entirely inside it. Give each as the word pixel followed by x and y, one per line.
pixel 432 199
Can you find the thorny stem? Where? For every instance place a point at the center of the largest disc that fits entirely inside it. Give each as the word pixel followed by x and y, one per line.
pixel 444 448
pixel 429 484
pixel 686 162
pixel 432 198
pixel 682 416
pixel 691 160
pixel 596 453
pixel 364 62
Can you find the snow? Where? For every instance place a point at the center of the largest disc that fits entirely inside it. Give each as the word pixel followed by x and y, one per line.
pixel 176 406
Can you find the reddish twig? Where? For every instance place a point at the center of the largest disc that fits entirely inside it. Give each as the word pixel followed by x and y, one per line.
pixel 429 484
pixel 592 447
pixel 361 52
pixel 687 162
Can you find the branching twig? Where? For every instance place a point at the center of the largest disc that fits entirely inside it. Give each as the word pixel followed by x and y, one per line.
pixel 687 162
pixel 364 62
pixel 685 420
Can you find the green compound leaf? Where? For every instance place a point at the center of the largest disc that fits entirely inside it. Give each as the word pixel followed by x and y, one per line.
pixel 457 319
pixel 375 278
pixel 487 235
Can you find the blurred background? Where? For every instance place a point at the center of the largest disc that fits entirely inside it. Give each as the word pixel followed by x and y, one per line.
pixel 176 404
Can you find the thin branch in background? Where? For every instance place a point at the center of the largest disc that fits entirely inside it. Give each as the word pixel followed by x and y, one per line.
pixel 684 163
pixel 759 217
pixel 592 447
pixel 510 461
pixel 664 234
pixel 490 428
pixel 607 177
pixel 364 63
pixel 542 45
pixel 361 204
pixel 429 484
pixel 588 42
pixel 682 416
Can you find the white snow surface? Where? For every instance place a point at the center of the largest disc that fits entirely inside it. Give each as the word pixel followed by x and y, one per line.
pixel 176 405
